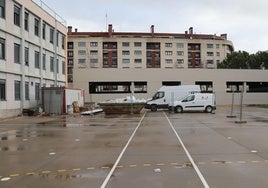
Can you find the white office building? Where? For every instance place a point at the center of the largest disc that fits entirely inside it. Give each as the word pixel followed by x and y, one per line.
pixel 32 53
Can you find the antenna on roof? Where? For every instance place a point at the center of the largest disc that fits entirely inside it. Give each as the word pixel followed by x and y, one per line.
pixel 106 20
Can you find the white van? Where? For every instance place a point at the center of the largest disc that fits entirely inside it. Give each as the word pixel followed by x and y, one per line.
pixel 166 95
pixel 195 102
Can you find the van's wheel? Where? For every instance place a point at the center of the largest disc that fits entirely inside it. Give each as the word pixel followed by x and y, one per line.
pixel 153 108
pixel 178 109
pixel 209 109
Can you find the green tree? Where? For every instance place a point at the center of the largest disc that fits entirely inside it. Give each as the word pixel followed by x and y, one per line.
pixel 235 60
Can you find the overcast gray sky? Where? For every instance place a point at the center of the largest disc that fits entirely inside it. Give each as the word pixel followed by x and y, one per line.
pixel 244 21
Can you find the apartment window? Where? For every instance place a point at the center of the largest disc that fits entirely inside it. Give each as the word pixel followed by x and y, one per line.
pixel 17 90
pixel 37 91
pixel 93 44
pixel 140 87
pixel 51 64
pixel 93 52
pixel 126 60
pixel 94 61
pixel 2 8
pixel 137 60
pixel 16 15
pixel 171 83
pixel 36 26
pixel 169 45
pixel 26 21
pixel 125 44
pixel 2 90
pixel 81 52
pixel 81 44
pixel 81 61
pixel 70 62
pixel 36 59
pixel 210 54
pixel 137 52
pixel 109 87
pixel 44 61
pixel 63 67
pixel 257 87
pixel 180 53
pixel 51 37
pixel 57 66
pixel 217 46
pixel 26 56
pixel 70 45
pixel 180 61
pixel 44 31
pixel 209 45
pixel 16 53
pixel 125 52
pixel 168 52
pixel 2 48
pixel 57 39
pixel 234 86
pixel 180 45
pixel 205 86
pixel 137 44
pixel 27 89
pixel 62 41
pixel 169 61
pixel 70 54
pixel 218 54
pixel 209 61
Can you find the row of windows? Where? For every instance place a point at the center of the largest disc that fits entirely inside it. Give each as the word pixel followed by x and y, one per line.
pixel 139 44
pixel 139 52
pixel 141 87
pixel 37 59
pixel 127 60
pixel 17 90
pixel 36 26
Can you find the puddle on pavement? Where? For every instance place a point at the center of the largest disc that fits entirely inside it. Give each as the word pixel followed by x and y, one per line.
pixel 13 148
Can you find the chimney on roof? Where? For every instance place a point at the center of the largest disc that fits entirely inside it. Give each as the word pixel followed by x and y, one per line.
pixel 224 36
pixel 70 28
pixel 75 30
pixel 110 30
pixel 191 30
pixel 152 30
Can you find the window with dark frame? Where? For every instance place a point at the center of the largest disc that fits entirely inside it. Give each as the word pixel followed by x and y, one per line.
pixel 37 91
pixel 17 15
pixel 44 31
pixel 17 94
pixel 37 59
pixel 205 86
pixel 51 64
pixel 2 90
pixel 26 56
pixel 16 53
pixel 51 37
pixel 44 61
pixel 36 26
pixel 2 8
pixel 26 21
pixel 27 96
pixel 2 48
pixel 234 86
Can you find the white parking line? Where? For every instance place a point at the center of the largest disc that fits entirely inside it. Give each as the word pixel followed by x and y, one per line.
pixel 121 154
pixel 188 154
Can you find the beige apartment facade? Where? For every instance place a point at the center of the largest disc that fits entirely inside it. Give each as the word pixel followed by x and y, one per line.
pixel 109 65
pixel 32 54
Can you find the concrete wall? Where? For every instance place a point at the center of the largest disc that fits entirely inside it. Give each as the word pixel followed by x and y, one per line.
pixel 154 78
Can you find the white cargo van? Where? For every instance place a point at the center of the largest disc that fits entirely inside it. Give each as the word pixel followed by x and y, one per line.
pixel 195 102
pixel 166 95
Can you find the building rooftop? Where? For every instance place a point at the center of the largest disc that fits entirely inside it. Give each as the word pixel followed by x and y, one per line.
pixel 152 34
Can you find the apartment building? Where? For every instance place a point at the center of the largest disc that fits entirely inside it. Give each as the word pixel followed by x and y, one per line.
pixel 32 53
pixel 109 65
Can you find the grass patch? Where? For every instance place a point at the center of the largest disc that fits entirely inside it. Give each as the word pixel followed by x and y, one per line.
pixel 259 105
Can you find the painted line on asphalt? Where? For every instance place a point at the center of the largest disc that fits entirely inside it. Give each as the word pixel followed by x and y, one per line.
pixel 121 154
pixel 201 177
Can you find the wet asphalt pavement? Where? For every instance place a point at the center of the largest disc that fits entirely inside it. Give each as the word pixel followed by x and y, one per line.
pixel 151 149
